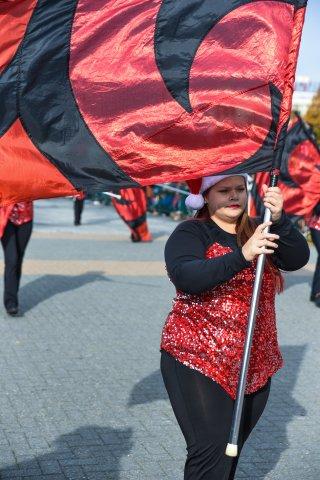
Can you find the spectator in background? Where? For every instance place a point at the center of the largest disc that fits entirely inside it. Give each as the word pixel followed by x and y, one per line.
pixel 162 201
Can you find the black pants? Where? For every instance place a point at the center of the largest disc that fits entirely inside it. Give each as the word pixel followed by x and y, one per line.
pixel 315 235
pixel 204 412
pixel 14 242
pixel 78 208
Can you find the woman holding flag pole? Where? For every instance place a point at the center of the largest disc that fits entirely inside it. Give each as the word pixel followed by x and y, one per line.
pixel 207 90
pixel 211 260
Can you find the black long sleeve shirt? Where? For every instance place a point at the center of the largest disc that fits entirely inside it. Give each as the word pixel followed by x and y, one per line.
pixel 191 272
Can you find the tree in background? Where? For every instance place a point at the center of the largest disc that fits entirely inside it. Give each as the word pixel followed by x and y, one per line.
pixel 313 115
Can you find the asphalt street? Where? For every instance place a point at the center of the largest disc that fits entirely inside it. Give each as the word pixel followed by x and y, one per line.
pixel 81 396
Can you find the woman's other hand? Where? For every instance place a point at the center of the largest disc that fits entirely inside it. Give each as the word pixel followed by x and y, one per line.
pixel 260 242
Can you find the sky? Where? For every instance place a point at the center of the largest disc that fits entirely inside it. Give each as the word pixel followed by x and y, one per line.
pixel 309 57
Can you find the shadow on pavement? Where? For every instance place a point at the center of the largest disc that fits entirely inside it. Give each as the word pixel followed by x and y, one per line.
pixel 48 286
pixel 282 408
pixel 148 390
pixel 272 428
pixel 92 450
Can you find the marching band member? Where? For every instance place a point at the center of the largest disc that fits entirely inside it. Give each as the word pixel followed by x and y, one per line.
pixel 211 260
pixel 314 226
pixel 15 231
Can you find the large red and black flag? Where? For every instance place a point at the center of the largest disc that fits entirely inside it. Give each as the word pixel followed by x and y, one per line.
pixel 299 173
pixel 101 94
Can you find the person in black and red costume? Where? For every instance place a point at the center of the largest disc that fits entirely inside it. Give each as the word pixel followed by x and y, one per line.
pixel 211 260
pixel 15 232
pixel 78 205
pixel 314 226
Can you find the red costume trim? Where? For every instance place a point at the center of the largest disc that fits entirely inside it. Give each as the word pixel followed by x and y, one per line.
pixel 21 212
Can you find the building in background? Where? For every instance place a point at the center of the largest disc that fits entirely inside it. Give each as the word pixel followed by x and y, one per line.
pixel 304 92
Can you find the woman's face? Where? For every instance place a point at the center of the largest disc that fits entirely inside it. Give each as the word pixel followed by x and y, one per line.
pixel 227 199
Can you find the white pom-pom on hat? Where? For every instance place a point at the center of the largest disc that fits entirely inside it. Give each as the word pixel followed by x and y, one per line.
pixel 195 202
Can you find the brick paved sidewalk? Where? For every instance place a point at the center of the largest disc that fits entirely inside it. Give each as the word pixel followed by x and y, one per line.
pixel 81 395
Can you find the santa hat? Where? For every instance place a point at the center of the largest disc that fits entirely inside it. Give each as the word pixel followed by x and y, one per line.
pixel 198 186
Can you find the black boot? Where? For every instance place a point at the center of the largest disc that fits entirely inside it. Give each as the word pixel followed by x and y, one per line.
pixel 12 309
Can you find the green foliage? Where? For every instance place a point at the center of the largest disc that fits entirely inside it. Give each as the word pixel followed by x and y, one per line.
pixel 313 115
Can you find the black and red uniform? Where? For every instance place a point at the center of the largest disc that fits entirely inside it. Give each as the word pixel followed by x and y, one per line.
pixel 314 226
pixel 15 231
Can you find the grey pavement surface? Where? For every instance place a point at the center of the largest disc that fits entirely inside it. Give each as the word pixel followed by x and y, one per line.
pixel 81 395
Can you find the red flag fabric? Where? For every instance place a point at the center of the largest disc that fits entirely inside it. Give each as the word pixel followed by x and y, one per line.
pixel 97 95
pixel 132 208
pixel 255 203
pixel 299 175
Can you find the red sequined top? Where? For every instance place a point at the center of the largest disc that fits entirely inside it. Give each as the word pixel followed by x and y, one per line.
pixel 206 331
pixel 21 212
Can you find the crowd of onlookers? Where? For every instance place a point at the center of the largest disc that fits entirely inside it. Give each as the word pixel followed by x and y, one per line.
pixel 160 200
